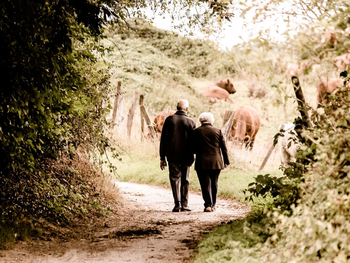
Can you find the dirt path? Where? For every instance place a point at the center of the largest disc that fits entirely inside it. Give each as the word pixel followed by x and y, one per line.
pixel 145 230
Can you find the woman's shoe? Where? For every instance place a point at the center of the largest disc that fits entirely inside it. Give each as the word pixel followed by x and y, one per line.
pixel 207 209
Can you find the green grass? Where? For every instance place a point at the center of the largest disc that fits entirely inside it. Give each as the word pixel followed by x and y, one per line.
pixel 140 163
pixel 225 244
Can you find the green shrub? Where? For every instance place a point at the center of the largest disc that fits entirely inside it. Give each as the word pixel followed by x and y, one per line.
pixel 11 231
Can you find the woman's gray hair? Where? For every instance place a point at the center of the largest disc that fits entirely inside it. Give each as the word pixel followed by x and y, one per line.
pixel 206 117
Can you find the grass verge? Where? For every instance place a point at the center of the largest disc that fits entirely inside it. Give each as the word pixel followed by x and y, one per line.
pixel 140 163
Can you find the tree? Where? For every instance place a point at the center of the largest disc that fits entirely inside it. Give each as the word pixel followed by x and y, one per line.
pixel 314 30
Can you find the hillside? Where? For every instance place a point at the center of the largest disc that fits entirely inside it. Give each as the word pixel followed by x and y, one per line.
pixel 166 67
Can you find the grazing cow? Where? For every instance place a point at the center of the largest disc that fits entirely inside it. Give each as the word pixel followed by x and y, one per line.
pixel 330 38
pixel 293 69
pixel 325 85
pixel 246 125
pixel 220 91
pixel 288 142
pixel 160 118
pixel 342 61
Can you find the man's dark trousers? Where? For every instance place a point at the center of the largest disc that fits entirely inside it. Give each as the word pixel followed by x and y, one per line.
pixel 179 181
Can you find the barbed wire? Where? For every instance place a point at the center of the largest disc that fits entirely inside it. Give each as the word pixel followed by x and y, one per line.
pixel 241 121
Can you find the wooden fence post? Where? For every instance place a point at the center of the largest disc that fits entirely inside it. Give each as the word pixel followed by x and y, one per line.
pixel 227 116
pixel 301 102
pixel 302 109
pixel 117 114
pixel 142 121
pixel 267 157
pixel 145 118
pixel 132 112
pixel 228 124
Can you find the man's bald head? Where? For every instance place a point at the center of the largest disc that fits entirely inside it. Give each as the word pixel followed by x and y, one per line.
pixel 182 105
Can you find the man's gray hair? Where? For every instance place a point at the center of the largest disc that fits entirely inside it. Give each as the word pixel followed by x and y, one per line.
pixel 206 117
pixel 182 105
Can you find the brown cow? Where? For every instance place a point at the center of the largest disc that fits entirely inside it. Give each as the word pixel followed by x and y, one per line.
pixel 294 69
pixel 246 125
pixel 330 38
pixel 220 91
pixel 326 85
pixel 342 62
pixel 160 118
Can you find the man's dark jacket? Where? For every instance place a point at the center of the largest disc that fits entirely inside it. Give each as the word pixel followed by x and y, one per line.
pixel 210 148
pixel 177 138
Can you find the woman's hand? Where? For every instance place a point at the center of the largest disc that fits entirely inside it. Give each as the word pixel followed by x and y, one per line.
pixel 163 165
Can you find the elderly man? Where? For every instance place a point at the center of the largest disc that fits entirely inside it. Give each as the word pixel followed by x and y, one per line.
pixel 175 146
pixel 211 158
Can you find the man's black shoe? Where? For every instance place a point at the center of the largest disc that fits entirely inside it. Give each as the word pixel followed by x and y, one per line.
pixel 177 208
pixel 185 209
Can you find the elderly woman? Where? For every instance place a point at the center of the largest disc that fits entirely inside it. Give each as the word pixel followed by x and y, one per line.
pixel 211 158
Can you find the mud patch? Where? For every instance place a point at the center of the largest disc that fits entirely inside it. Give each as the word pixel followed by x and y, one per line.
pixel 190 243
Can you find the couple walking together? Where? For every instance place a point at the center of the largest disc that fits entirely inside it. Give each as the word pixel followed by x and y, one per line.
pixel 180 140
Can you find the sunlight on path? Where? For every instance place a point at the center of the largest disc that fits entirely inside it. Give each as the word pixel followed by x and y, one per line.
pixel 157 199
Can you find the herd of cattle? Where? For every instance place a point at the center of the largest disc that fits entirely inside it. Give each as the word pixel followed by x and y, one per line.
pixel 247 122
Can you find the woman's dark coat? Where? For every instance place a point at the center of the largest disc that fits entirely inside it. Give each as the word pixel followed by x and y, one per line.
pixel 210 148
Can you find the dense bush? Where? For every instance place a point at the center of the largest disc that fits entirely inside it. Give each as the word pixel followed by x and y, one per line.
pixel 318 228
pixel 67 190
pixel 54 100
pixel 44 83
pixel 307 220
